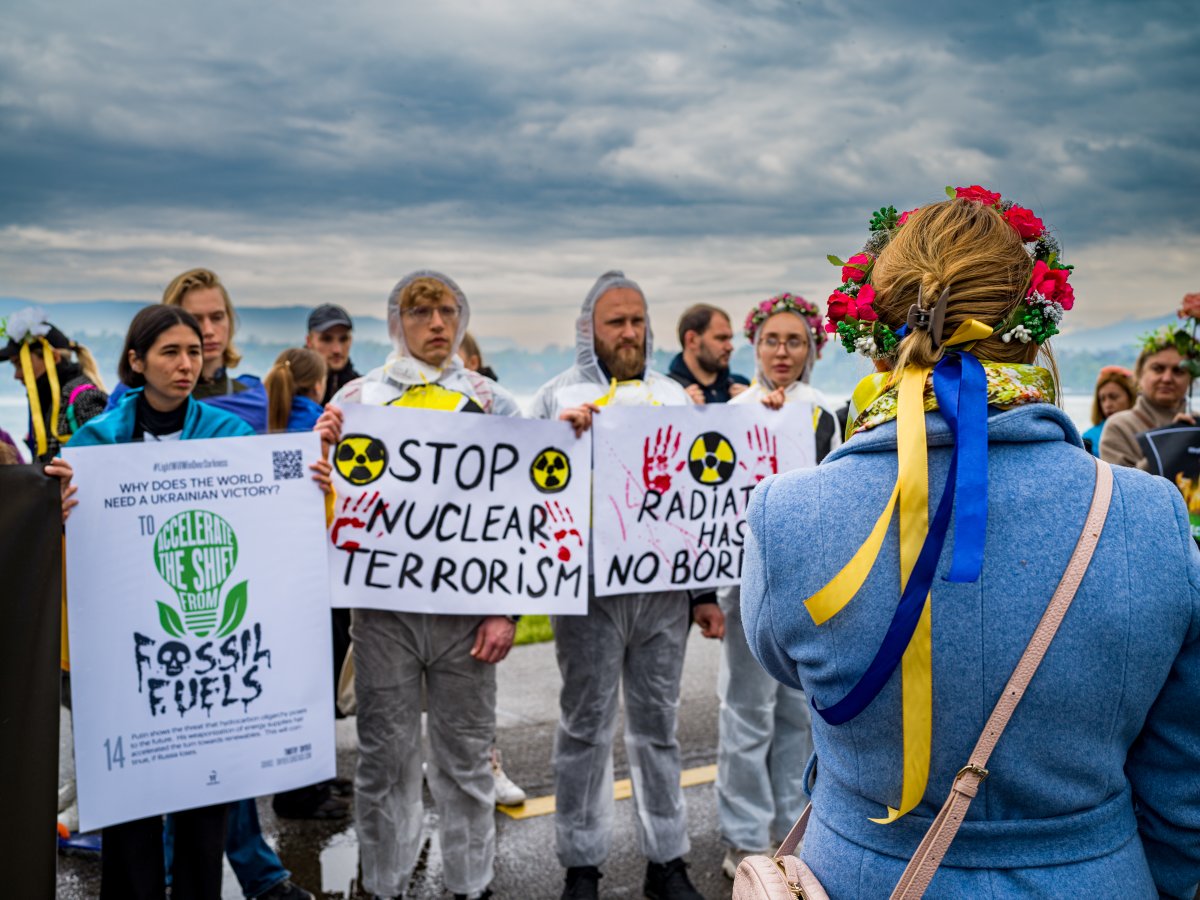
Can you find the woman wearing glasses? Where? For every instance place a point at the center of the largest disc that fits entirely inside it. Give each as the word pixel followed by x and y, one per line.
pixel 765 727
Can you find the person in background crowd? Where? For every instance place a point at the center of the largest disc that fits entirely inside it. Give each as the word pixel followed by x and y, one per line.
pixel 330 333
pixel 632 640
pixel 508 792
pixel 472 358
pixel 454 656
pixel 765 727
pixel 295 386
pixel 1115 392
pixel 6 440
pixel 1085 794
pixel 702 366
pixel 1162 384
pixel 63 393
pixel 201 293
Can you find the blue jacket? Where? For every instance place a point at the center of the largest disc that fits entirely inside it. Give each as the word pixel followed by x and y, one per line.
pixel 249 405
pixel 303 414
pixel 1095 785
pixel 203 420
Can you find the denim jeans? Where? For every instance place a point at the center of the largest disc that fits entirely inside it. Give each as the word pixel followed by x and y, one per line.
pixel 257 867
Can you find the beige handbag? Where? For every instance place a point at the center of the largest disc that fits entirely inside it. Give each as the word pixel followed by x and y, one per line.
pixel 785 877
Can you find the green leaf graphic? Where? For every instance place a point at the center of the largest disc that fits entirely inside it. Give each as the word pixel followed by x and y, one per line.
pixel 235 609
pixel 833 259
pixel 169 619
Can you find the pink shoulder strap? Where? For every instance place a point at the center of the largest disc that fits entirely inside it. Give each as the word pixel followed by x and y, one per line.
pixel 79 389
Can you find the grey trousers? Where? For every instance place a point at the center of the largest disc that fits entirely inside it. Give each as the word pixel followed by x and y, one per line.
pixel 765 743
pixel 636 641
pixel 393 654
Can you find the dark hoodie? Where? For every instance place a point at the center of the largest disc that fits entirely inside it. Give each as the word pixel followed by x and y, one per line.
pixel 717 392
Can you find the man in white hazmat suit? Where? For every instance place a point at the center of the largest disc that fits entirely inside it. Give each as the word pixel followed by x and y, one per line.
pixel 454 655
pixel 637 638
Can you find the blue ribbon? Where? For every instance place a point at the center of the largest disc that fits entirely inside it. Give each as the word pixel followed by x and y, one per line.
pixel 960 384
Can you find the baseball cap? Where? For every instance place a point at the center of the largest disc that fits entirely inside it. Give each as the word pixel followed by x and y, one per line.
pixel 326 316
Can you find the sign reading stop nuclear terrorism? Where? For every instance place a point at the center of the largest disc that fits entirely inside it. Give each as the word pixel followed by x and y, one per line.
pixel 455 513
pixel 199 624
pixel 671 485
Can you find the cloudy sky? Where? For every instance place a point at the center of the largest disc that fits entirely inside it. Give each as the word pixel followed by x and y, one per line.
pixel 715 151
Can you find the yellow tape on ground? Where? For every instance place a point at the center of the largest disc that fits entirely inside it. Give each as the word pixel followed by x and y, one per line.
pixel 622 790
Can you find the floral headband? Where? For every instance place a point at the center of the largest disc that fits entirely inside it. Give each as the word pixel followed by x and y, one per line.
pixel 792 303
pixel 852 316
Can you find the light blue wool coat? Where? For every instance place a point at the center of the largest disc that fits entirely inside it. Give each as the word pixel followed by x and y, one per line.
pixel 1095 786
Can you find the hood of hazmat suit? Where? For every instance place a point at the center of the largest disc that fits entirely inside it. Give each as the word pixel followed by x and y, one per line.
pixel 585 382
pixel 404 380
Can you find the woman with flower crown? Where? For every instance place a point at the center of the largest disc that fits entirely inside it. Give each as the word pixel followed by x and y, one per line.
pixel 911 632
pixel 764 727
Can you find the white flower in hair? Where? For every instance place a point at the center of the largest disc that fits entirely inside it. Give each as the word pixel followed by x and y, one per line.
pixel 27 323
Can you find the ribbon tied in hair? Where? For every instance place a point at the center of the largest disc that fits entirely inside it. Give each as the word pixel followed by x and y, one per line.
pixel 960 384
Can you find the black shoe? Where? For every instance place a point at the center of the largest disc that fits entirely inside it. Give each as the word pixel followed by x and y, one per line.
pixel 669 881
pixel 486 895
pixel 583 883
pixel 341 787
pixel 313 802
pixel 285 890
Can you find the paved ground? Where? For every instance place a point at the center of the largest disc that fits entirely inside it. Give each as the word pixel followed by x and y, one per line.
pixel 324 857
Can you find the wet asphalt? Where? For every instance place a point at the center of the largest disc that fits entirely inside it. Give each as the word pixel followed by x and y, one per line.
pixel 323 856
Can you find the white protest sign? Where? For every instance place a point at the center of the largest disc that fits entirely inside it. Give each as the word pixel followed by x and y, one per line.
pixel 672 484
pixel 458 513
pixel 199 624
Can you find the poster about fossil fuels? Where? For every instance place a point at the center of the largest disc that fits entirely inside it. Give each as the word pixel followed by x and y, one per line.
pixel 671 487
pixel 441 512
pixel 198 603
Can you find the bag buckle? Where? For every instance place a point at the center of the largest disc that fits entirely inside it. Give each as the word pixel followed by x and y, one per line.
pixel 978 771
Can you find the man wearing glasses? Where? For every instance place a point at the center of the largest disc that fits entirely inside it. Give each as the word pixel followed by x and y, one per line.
pixel 395 652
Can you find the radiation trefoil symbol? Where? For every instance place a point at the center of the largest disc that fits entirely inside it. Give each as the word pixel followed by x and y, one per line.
pixel 195 552
pixel 360 458
pixel 711 458
pixel 551 471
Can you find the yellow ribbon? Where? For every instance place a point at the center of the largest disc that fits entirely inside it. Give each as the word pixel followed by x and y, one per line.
pixel 911 491
pixel 35 402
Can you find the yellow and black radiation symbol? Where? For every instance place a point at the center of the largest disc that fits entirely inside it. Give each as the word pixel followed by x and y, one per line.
pixel 711 458
pixel 551 471
pixel 434 396
pixel 360 458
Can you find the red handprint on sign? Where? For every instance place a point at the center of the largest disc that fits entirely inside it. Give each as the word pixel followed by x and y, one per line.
pixel 764 452
pixel 658 462
pixel 354 514
pixel 562 523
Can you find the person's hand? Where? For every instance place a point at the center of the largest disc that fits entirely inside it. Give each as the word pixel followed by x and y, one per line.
pixel 329 426
pixel 493 639
pixel 736 388
pixel 696 393
pixel 323 475
pixel 710 619
pixel 580 417
pixel 775 399
pixel 61 469
pixel 1184 419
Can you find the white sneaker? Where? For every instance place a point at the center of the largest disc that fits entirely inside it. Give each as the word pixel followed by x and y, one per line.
pixel 507 793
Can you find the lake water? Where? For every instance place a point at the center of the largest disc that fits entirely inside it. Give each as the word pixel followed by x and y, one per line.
pixel 14 412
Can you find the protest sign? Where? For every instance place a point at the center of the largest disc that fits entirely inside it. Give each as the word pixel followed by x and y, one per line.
pixel 671 485
pixel 199 624
pixel 1174 453
pixel 469 514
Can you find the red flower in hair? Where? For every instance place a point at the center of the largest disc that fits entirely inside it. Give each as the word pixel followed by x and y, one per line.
pixel 904 215
pixel 980 194
pixel 1052 284
pixel 866 296
pixel 1028 226
pixel 856 267
pixel 841 306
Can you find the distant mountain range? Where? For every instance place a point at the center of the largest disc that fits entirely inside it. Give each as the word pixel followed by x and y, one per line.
pixel 262 332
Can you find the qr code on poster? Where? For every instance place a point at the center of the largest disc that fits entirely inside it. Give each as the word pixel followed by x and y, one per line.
pixel 287 464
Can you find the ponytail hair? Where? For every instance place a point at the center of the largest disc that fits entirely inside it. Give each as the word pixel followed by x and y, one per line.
pixel 87 363
pixel 295 371
pixel 971 250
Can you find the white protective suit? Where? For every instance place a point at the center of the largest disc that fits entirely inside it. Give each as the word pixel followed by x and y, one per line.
pixel 765 727
pixel 394 652
pixel 635 640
